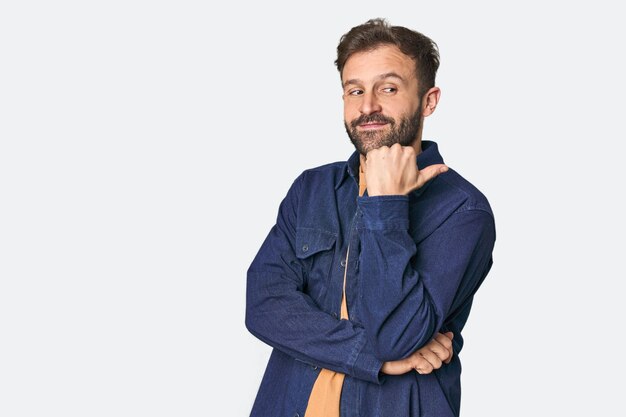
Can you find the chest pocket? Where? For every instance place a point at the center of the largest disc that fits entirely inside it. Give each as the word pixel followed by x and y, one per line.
pixel 316 249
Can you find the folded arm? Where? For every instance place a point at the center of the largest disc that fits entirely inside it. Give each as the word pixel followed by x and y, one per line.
pixel 279 313
pixel 408 293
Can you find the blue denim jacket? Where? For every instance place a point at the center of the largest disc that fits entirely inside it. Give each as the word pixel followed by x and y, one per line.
pixel 415 263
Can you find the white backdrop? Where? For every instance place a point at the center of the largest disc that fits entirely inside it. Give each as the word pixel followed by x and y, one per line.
pixel 145 147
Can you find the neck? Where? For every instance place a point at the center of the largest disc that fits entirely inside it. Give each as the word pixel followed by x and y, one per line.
pixel 417 144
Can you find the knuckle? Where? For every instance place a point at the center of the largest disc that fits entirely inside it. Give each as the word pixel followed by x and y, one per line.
pixel 440 352
pixel 419 362
pixel 434 345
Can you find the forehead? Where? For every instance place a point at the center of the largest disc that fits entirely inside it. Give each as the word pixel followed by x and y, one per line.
pixel 369 65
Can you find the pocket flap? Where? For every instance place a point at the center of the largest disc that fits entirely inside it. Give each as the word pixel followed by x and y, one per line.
pixel 311 241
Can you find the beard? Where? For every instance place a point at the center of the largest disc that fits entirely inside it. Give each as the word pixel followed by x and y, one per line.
pixel 403 133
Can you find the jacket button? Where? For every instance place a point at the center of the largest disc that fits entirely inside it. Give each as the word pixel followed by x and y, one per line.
pixel 335 315
pixel 343 262
pixel 296 415
pixel 305 248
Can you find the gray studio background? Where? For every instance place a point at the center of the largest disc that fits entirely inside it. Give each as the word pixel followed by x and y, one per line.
pixel 145 147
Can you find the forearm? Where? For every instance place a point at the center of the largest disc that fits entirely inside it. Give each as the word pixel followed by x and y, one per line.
pixel 398 312
pixel 287 319
pixel 408 293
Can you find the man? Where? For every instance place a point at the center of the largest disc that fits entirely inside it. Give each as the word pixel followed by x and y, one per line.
pixel 371 268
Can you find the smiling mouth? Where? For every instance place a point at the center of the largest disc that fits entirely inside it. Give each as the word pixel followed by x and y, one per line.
pixel 370 126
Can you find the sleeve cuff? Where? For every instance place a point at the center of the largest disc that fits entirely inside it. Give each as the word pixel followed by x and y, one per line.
pixel 388 212
pixel 367 367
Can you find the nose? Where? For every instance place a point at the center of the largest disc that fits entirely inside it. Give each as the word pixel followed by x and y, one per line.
pixel 369 103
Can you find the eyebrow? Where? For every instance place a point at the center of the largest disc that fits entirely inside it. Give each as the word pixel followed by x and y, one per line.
pixel 379 77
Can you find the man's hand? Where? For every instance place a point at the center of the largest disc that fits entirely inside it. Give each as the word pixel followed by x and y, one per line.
pixel 424 360
pixel 393 171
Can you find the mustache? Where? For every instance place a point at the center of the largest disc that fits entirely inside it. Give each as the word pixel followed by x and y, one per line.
pixel 372 118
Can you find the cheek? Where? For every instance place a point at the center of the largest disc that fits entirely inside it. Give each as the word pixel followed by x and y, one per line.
pixel 398 112
pixel 350 112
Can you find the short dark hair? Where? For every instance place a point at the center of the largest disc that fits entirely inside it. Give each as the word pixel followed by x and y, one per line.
pixel 377 32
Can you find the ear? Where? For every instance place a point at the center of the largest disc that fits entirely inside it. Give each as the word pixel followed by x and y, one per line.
pixel 430 101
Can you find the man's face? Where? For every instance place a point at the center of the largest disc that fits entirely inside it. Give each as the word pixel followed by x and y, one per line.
pixel 380 99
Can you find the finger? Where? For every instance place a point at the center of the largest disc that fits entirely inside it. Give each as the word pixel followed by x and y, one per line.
pixel 374 152
pixel 422 366
pixel 429 173
pixel 442 352
pixel 431 357
pixel 444 341
pixel 407 152
pixel 449 336
pixel 396 367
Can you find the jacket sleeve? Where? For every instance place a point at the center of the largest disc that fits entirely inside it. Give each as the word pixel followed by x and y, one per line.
pixel 409 292
pixel 280 314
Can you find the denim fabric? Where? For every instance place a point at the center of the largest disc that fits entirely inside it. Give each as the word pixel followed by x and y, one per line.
pixel 415 264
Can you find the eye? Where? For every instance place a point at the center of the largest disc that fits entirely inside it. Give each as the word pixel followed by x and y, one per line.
pixel 390 89
pixel 355 92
